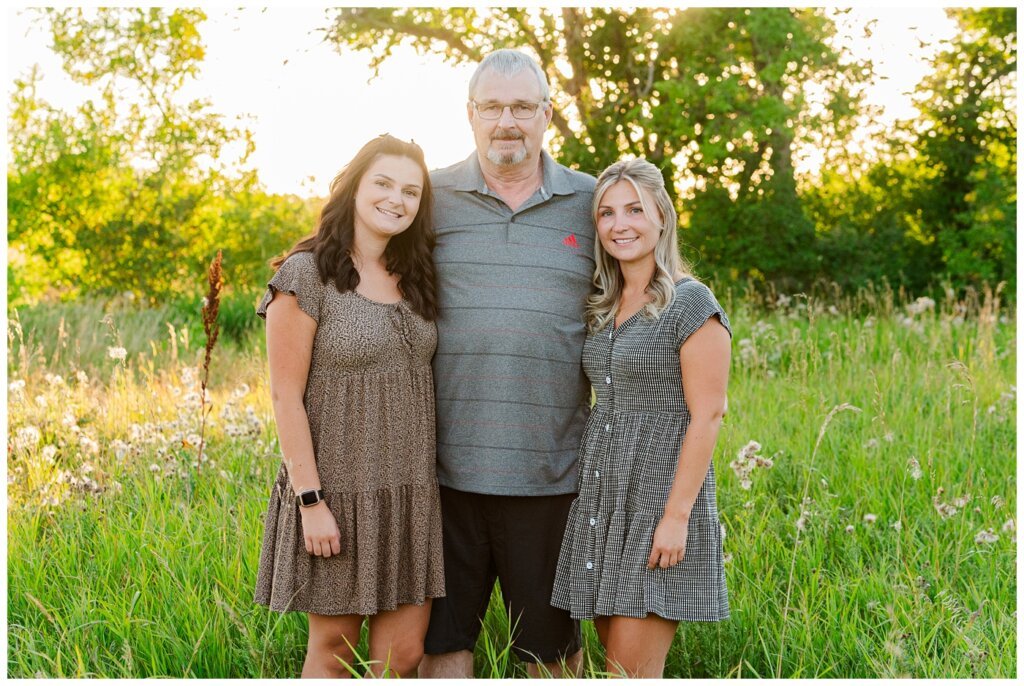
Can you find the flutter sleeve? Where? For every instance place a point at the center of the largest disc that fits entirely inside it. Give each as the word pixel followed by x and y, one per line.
pixel 694 304
pixel 298 276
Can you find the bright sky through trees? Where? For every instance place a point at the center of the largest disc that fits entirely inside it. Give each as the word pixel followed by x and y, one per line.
pixel 311 108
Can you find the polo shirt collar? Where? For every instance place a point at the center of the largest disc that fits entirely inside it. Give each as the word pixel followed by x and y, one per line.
pixel 469 176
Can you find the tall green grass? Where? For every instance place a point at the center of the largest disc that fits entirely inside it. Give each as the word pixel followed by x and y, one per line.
pixel 880 543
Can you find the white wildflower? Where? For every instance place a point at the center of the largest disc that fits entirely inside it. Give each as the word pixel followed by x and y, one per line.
pixel 1009 527
pixel 915 468
pixel 962 501
pixel 54 379
pixel 783 300
pixel 241 391
pixel 120 448
pixel 41 401
pixel 833 310
pixel 16 388
pixel 986 537
pixel 871 444
pixel 82 378
pixel 27 437
pixel 870 518
pixel 727 558
pixel 849 528
pixel 747 461
pixel 897 525
pixel 997 501
pixel 154 467
pixel 922 304
pixel 117 353
pixel 88 445
pixel 888 437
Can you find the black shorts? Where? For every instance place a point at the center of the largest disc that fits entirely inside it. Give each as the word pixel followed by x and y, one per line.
pixel 514 539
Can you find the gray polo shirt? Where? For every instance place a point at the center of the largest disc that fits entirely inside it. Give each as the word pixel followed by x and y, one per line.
pixel 512 398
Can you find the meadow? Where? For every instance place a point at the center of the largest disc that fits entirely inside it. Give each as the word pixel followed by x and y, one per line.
pixel 866 472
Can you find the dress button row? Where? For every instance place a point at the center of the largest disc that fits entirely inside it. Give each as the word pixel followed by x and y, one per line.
pixel 593 521
pixel 597 474
pixel 607 427
pixel 607 379
pixel 590 565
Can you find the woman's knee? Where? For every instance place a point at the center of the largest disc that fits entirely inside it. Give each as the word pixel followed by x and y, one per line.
pixel 401 656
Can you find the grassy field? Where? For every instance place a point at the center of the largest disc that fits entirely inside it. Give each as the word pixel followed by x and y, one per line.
pixel 866 475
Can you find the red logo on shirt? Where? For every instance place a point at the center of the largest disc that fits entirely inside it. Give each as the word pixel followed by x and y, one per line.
pixel 570 240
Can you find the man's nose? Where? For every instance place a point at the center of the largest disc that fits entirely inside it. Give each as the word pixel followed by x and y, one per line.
pixel 506 120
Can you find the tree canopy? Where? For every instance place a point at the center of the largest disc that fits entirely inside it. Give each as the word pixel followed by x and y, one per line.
pixel 716 97
pixel 133 191
pixel 137 188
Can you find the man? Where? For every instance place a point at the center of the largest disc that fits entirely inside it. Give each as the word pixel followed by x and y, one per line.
pixel 515 261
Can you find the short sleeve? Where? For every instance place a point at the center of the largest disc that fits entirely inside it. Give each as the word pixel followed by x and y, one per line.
pixel 694 304
pixel 299 277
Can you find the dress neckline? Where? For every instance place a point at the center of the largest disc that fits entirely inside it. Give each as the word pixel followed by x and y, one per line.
pixel 378 302
pixel 619 327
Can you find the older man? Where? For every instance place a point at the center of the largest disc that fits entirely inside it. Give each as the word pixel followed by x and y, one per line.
pixel 514 261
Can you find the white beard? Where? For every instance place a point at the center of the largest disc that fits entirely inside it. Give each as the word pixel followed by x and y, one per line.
pixel 508 159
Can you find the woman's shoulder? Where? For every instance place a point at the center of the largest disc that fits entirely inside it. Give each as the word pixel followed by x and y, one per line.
pixel 303 261
pixel 689 290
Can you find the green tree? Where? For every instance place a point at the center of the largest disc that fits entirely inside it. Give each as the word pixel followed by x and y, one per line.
pixel 939 199
pixel 967 136
pixel 716 97
pixel 120 194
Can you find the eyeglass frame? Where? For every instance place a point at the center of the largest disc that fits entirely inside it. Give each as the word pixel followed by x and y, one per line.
pixel 476 106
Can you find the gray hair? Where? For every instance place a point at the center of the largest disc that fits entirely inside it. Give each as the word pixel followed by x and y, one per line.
pixel 509 62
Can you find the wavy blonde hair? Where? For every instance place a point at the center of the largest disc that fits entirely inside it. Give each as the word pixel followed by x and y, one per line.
pixel 603 305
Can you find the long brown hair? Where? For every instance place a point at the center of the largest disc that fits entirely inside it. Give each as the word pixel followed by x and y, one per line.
pixel 408 254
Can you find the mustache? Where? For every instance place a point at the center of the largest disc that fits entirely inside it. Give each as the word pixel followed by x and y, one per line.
pixel 508 135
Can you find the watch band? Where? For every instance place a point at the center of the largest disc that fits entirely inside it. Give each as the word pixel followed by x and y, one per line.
pixel 309 498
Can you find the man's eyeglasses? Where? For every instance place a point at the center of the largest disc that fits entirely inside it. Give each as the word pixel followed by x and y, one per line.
pixel 520 110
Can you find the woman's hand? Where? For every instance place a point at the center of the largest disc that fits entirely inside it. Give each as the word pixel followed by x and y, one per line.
pixel 669 544
pixel 320 530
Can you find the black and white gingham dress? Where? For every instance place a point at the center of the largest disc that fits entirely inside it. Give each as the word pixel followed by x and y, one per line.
pixel 627 461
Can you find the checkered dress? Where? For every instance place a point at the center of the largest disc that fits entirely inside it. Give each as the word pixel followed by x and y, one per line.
pixel 627 460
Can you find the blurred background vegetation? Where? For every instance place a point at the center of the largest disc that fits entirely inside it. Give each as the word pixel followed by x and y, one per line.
pixel 135 197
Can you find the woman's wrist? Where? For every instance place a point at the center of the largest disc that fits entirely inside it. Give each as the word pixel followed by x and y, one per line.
pixel 322 505
pixel 679 514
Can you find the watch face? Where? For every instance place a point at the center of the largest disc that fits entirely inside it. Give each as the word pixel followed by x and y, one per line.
pixel 309 498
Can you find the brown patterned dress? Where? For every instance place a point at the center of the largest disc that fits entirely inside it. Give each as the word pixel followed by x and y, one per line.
pixel 370 402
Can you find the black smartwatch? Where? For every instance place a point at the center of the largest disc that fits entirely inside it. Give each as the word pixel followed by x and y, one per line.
pixel 309 498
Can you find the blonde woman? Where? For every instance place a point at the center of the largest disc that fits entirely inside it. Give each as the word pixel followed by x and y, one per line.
pixel 642 550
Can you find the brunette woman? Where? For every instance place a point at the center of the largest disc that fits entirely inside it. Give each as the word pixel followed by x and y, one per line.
pixel 353 528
